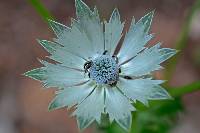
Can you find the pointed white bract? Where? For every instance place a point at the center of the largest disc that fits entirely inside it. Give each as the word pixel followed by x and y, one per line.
pixel 76 41
pixel 92 107
pixel 57 76
pixel 118 107
pixel 91 25
pixel 147 61
pixel 58 28
pixel 136 38
pixel 113 31
pixel 88 41
pixel 142 89
pixel 62 55
pixel 71 96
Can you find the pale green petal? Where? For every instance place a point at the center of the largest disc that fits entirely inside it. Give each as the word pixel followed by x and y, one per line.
pixel 118 107
pixel 147 61
pixel 158 93
pixel 76 42
pixel 61 76
pixel 58 28
pixel 82 10
pixel 49 46
pixel 71 96
pixel 113 32
pixel 147 20
pixel 166 53
pixel 136 38
pixel 84 122
pixel 90 23
pixel 142 89
pixel 85 37
pixel 37 74
pixel 62 55
pixel 92 107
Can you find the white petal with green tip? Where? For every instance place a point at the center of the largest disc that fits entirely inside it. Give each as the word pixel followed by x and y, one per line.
pixel 77 43
pixel 61 76
pixel 136 38
pixel 90 23
pixel 62 55
pixel 113 32
pixel 58 28
pixel 70 96
pixel 91 107
pixel 142 89
pixel 37 74
pixel 84 122
pixel 118 107
pixel 147 61
pixel 158 93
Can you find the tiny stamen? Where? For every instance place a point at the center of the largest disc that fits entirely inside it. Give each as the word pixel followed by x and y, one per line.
pixel 104 70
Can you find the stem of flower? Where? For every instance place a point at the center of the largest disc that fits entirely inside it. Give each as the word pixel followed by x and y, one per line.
pixel 180 91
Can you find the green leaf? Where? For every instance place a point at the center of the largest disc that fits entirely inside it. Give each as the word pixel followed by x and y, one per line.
pixel 159 118
pixel 183 90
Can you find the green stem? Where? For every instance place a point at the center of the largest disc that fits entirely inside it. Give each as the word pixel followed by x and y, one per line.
pixel 40 8
pixel 180 91
pixel 183 38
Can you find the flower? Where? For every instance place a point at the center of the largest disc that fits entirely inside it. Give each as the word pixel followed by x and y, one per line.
pixel 95 79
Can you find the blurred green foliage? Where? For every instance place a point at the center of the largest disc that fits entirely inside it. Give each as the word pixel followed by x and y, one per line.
pixel 160 116
pixel 157 119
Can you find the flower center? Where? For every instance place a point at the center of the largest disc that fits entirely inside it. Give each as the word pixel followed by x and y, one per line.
pixel 104 70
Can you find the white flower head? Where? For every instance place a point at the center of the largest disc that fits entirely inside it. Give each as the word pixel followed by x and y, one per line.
pixel 92 77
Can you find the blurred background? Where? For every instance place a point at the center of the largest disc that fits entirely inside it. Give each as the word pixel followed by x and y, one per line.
pixel 23 102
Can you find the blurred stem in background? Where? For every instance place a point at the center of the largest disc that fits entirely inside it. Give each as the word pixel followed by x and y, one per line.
pixel 180 91
pixel 182 40
pixel 160 116
pixel 40 8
